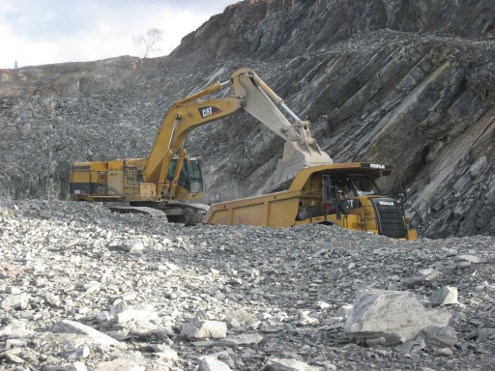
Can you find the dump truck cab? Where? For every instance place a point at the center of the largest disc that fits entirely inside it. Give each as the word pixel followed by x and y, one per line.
pixel 344 194
pixel 347 195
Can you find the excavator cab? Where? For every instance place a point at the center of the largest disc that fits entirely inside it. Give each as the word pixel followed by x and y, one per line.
pixel 191 174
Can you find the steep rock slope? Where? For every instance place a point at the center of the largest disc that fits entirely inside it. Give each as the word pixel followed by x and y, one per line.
pixel 409 83
pixel 403 82
pixel 291 28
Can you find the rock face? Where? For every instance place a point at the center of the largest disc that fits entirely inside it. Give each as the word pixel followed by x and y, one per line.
pixel 240 298
pixel 291 27
pixel 404 82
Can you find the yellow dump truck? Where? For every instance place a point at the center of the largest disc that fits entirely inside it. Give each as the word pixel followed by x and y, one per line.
pixel 344 194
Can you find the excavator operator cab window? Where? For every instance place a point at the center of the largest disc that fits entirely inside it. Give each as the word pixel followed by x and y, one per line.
pixel 191 174
pixel 195 174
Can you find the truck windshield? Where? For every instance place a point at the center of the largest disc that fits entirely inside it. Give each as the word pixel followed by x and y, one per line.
pixel 364 185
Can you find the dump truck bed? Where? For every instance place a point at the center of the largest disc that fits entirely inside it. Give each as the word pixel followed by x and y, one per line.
pixel 274 209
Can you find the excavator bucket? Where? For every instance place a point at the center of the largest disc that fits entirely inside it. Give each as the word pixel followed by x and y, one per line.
pixel 297 156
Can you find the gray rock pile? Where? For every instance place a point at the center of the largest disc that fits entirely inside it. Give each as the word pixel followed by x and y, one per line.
pixel 82 288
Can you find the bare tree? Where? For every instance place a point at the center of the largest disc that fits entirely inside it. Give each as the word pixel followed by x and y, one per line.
pixel 147 43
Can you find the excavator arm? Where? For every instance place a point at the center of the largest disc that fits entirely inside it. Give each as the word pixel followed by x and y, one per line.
pixel 300 149
pixel 251 94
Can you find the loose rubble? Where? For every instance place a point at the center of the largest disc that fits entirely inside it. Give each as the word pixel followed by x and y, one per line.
pixel 240 298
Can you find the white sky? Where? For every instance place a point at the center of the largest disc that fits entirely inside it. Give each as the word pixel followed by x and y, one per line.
pixel 35 32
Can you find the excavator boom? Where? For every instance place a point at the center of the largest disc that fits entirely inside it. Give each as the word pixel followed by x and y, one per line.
pixel 251 94
pixel 300 149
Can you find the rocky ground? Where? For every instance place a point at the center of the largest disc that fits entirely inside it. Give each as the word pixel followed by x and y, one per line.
pixel 82 288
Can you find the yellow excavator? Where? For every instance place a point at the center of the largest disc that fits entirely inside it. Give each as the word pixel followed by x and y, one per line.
pixel 319 191
pixel 168 177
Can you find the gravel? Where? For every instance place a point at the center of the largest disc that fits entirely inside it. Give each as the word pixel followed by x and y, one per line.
pixel 84 288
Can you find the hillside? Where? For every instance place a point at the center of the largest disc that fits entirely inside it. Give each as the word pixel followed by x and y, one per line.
pixel 409 83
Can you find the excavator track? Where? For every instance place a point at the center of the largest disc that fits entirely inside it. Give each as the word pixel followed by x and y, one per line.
pixel 176 212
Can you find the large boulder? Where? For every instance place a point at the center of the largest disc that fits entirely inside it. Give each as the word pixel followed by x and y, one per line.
pixel 204 329
pixel 391 317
